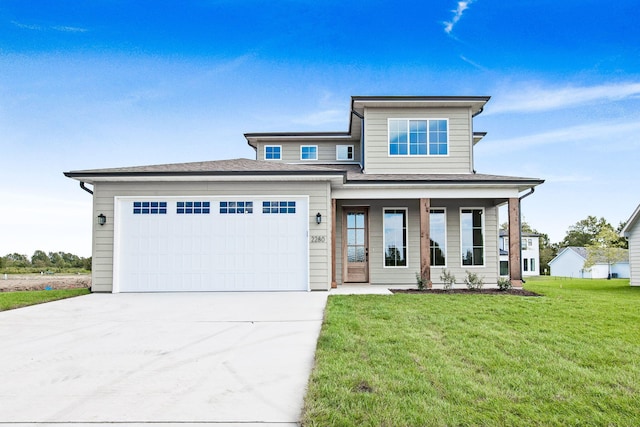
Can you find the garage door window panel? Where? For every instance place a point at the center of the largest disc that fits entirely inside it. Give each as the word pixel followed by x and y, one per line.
pixel 193 208
pixel 149 208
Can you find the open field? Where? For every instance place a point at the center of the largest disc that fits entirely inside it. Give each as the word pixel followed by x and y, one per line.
pixel 30 282
pixel 569 358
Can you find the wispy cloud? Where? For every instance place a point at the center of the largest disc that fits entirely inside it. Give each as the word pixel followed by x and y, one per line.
pixel 67 29
pixel 620 136
pixel 473 63
pixel 457 14
pixel 60 28
pixel 536 98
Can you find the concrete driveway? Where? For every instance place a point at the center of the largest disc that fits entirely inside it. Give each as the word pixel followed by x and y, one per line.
pixel 221 358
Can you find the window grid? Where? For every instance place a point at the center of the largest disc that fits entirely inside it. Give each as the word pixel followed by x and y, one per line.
pixel 193 207
pixel 279 207
pixel 418 137
pixel 149 208
pixel 309 152
pixel 272 152
pixel 244 207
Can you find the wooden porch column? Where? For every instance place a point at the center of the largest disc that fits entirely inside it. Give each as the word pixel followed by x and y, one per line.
pixel 515 272
pixel 334 217
pixel 425 245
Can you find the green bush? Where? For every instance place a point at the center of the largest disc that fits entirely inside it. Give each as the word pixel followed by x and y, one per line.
pixel 448 279
pixel 504 284
pixel 473 280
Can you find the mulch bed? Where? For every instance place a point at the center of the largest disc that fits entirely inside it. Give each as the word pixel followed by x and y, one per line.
pixel 518 292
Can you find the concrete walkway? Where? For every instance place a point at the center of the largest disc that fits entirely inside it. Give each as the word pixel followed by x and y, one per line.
pixel 166 359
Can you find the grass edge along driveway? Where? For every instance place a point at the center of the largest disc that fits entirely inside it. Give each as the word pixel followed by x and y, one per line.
pixel 571 357
pixel 17 299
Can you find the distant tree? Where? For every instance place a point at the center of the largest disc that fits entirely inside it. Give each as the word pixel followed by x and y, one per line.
pixel 583 232
pixel 17 260
pixel 40 259
pixel 604 248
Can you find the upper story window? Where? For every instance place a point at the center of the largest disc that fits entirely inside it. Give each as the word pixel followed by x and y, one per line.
pixel 309 152
pixel 344 152
pixel 418 137
pixel 272 152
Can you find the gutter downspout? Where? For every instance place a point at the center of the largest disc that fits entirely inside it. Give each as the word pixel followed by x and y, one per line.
pixel 85 188
pixel 361 117
pixel 520 222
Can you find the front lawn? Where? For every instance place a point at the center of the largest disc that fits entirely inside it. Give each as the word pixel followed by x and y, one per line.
pixel 571 357
pixel 11 300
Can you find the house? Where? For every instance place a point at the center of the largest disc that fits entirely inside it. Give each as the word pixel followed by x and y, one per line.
pixel 631 232
pixel 529 253
pixel 393 196
pixel 570 263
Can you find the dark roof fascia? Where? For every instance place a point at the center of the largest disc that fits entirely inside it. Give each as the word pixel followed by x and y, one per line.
pixel 443 181
pixel 293 135
pixel 80 174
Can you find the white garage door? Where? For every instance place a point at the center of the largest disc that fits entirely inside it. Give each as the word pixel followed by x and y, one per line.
pixel 169 244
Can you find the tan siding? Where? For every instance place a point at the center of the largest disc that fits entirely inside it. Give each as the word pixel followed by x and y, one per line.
pixel 319 201
pixel 326 151
pixel 377 159
pixel 378 274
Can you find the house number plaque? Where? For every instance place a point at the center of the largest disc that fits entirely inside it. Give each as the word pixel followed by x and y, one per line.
pixel 318 239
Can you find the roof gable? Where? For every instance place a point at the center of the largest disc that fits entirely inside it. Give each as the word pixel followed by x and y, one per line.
pixel 631 223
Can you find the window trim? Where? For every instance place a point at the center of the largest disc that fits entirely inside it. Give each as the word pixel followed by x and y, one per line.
pixel 484 238
pixel 272 146
pixel 409 155
pixel 309 146
pixel 406 237
pixel 353 152
pixel 446 243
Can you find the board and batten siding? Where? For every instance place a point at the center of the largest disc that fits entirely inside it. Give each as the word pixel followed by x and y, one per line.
pixel 634 254
pixel 378 160
pixel 319 202
pixel 326 151
pixel 381 275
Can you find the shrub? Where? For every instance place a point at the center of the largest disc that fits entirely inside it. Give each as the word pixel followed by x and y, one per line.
pixel 422 283
pixel 473 280
pixel 504 284
pixel 448 279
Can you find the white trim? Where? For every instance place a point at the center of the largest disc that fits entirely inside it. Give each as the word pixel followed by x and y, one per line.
pixel 417 191
pixel 406 237
pixel 427 119
pixel 353 154
pixel 484 239
pixel 264 153
pixel 446 243
pixel 308 146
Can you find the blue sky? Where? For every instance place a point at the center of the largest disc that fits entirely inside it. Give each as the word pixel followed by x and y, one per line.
pixel 110 83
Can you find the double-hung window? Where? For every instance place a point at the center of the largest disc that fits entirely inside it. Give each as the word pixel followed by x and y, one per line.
pixel 395 237
pixel 272 152
pixel 437 236
pixel 418 137
pixel 309 152
pixel 472 236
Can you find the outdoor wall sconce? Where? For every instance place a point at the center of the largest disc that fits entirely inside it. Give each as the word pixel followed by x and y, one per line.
pixel 102 220
pixel 318 218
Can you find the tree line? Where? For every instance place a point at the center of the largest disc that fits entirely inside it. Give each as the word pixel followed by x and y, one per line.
pixel 42 261
pixel 600 238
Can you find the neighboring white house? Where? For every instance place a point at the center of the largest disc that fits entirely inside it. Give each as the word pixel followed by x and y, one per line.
pixel 631 232
pixel 395 195
pixel 530 250
pixel 570 263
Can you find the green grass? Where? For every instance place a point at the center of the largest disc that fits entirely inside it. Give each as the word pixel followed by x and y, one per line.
pixel 11 300
pixel 569 358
